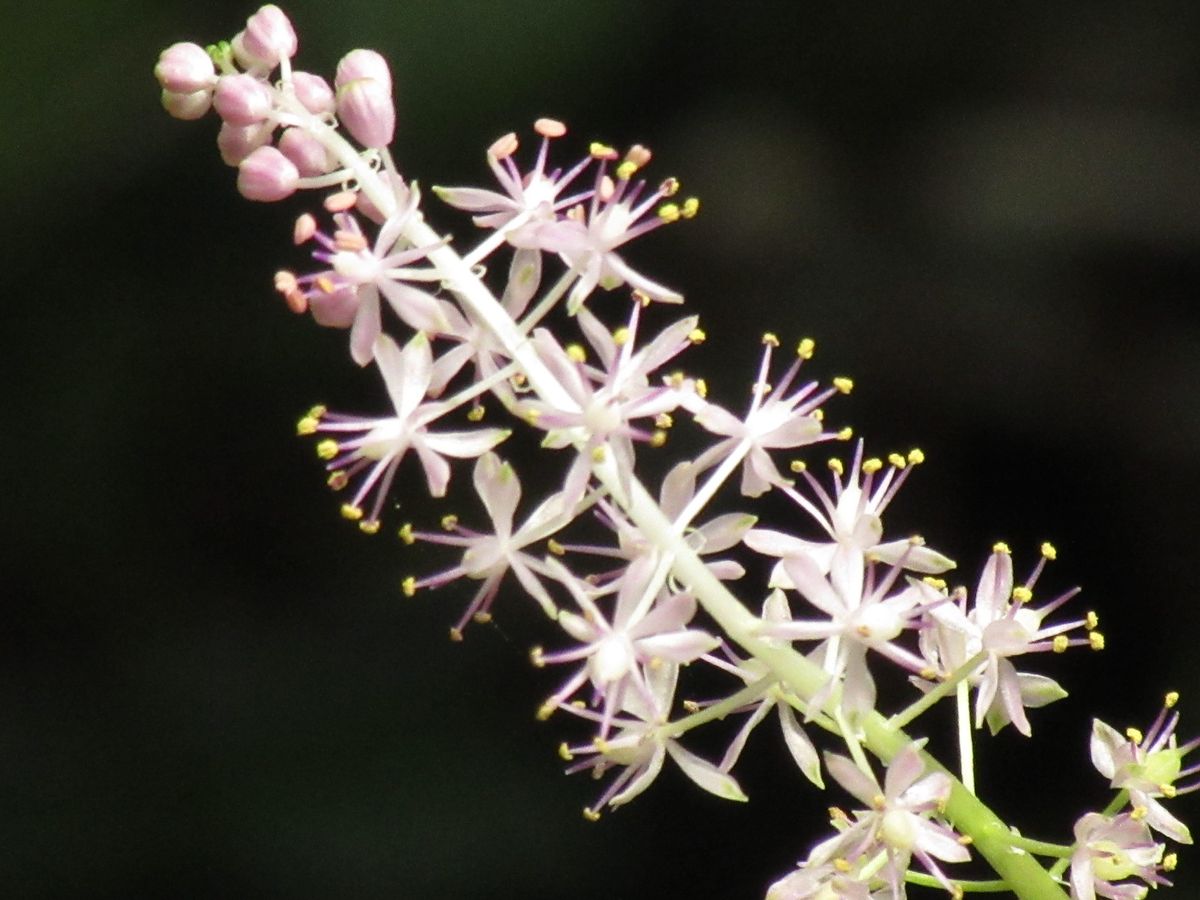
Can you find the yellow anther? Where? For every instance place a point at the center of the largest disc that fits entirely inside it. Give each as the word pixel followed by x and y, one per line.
pixel 1096 640
pixel 537 657
pixel 325 285
pixel 770 339
pixel 626 169
pixel 938 583
pixel 675 380
pixel 663 420
pixel 670 187
pixel 476 413
pixel 845 434
pixel 369 526
pixel 806 348
pixel 1170 861
pixel 1091 620
pixel 1138 813
pixel 843 385
pixel 532 415
pixel 658 438
pixel 545 711
pixel 598 455
pixel 1060 643
pixel 1168 790
pixel 597 150
pixel 351 512
pixel 1000 547
pixel 1135 735
pixel 337 480
pixel 456 635
pixel 556 548
pixel 1171 699
pixel 601 745
pixel 691 706
pixel 916 456
pixel 872 465
pixel 897 460
pixel 590 814
pixel 449 522
pixel 576 353
pixel 317 411
pixel 669 212
pixel 1048 551
pixel 697 336
pixel 564 752
pixel 408 586
pixel 406 534
pixel 621 336
pixel 701 388
pixel 817 415
pixel 879 801
pixel 690 207
pixel 928 674
pixel 841 865
pixel 307 425
pixel 1022 594
pixel 327 449
pixel 835 466
pixel 797 466
pixel 837 814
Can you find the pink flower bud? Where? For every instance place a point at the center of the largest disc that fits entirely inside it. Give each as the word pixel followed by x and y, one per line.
pixel 185 69
pixel 269 36
pixel 308 154
pixel 236 142
pixel 363 64
pixel 187 106
pixel 242 100
pixel 365 107
pixel 313 92
pixel 266 175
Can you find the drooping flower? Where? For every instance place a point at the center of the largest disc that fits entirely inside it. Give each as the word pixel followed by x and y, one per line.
pixel 1148 767
pixel 377 445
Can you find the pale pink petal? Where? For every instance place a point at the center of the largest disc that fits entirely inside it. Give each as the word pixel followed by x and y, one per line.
pixel 705 774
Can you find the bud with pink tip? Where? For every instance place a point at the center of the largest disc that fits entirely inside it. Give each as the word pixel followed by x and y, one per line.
pixel 236 142
pixel 187 106
pixel 267 175
pixel 242 100
pixel 313 92
pixel 185 69
pixel 306 152
pixel 365 107
pixel 269 36
pixel 363 64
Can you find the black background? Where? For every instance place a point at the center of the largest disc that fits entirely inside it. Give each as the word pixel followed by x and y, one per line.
pixel 211 686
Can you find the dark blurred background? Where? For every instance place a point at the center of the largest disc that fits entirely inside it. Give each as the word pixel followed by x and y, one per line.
pixel 210 684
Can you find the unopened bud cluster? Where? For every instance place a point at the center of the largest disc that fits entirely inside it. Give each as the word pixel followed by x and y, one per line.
pixel 531 325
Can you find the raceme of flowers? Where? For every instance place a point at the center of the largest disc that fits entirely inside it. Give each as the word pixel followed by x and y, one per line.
pixel 543 324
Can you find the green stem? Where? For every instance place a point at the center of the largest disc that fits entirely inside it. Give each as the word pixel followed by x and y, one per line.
pixel 967 886
pixel 970 816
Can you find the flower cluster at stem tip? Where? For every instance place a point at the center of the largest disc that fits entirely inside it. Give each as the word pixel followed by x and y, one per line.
pixel 542 321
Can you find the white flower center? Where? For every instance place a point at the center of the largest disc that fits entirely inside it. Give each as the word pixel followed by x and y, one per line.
pixel 897 830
